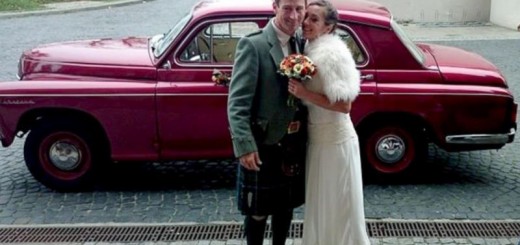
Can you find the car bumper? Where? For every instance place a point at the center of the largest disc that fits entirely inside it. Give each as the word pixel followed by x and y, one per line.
pixel 482 139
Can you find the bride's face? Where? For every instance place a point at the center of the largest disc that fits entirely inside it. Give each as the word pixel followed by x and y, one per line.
pixel 314 23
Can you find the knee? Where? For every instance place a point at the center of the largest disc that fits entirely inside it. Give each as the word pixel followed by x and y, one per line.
pixel 258 218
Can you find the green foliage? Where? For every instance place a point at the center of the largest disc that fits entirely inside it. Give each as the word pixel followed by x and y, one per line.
pixel 27 5
pixel 52 1
pixel 18 5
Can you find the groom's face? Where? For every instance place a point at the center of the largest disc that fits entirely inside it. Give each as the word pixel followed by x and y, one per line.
pixel 289 14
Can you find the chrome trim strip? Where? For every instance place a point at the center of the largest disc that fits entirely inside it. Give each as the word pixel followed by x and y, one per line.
pixel 74 95
pixel 111 95
pixel 480 139
pixel 450 94
pixel 19 73
pixel 195 94
pixel 123 95
pixel 212 94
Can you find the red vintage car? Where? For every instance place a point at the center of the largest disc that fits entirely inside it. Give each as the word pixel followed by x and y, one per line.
pixel 88 103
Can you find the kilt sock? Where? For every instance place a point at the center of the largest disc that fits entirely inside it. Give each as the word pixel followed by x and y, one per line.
pixel 254 230
pixel 280 224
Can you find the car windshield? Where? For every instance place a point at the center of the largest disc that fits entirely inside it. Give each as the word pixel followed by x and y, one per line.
pixel 410 45
pixel 159 45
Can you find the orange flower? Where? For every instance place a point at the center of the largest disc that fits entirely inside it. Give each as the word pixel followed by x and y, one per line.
pixel 299 67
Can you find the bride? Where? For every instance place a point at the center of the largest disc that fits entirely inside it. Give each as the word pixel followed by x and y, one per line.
pixel 334 212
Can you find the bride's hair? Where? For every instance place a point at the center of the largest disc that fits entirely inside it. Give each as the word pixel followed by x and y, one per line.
pixel 331 13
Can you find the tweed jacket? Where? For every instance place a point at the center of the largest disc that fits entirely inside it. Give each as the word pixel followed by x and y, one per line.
pixel 257 93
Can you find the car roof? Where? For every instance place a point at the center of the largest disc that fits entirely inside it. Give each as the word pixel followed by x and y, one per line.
pixel 358 11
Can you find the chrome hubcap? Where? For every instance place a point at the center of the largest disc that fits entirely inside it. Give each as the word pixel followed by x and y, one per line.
pixel 64 156
pixel 390 149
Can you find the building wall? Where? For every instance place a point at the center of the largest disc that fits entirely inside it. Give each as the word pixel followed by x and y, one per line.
pixel 441 11
pixel 506 13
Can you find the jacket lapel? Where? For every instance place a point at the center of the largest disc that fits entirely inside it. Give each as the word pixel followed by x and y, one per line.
pixel 276 49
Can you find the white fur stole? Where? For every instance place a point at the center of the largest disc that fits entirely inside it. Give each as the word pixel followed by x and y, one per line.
pixel 337 76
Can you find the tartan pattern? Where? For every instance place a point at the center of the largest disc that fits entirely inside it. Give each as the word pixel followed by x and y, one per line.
pixel 271 189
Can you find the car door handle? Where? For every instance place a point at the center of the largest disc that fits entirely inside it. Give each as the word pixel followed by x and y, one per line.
pixel 367 77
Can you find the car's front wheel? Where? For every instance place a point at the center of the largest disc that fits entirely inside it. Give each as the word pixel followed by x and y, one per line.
pixel 393 149
pixel 62 155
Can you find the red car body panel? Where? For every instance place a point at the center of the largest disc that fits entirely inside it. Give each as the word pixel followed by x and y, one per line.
pixel 107 58
pixel 126 110
pixel 192 116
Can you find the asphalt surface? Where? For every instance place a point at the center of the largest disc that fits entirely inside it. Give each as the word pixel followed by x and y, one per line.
pixel 479 185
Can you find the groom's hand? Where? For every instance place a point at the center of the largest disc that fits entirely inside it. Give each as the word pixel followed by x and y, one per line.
pixel 251 161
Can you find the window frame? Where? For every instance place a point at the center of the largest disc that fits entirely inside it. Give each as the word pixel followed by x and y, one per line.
pixel 201 27
pixel 346 28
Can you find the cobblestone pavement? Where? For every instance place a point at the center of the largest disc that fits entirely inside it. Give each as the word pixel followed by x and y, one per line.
pixel 469 185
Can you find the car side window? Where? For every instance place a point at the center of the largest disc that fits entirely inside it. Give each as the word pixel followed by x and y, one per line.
pixel 217 42
pixel 357 53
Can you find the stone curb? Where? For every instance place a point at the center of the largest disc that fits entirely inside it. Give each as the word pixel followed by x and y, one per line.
pixel 96 5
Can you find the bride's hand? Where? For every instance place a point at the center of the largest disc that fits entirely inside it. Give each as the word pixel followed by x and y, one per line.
pixel 297 89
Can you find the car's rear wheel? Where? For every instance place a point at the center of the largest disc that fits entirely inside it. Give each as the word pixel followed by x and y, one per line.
pixel 393 149
pixel 62 155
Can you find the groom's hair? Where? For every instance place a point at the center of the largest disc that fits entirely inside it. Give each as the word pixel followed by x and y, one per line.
pixel 331 13
pixel 277 2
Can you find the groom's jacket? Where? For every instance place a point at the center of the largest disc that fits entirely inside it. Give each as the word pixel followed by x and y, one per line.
pixel 257 93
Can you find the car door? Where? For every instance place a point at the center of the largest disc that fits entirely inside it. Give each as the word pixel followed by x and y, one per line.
pixel 365 103
pixel 192 118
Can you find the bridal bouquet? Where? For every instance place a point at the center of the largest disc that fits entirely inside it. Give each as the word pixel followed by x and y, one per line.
pixel 299 67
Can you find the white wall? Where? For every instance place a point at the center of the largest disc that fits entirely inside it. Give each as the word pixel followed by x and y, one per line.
pixel 449 11
pixel 506 13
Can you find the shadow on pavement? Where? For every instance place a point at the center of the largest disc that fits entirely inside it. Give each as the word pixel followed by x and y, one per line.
pixel 440 168
pixel 197 174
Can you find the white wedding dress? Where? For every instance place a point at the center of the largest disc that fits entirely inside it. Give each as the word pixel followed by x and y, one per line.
pixel 334 211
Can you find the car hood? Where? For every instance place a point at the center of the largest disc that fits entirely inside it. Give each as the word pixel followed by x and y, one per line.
pixel 101 57
pixel 459 66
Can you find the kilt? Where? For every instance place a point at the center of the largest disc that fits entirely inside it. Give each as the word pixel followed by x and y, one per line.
pixel 280 183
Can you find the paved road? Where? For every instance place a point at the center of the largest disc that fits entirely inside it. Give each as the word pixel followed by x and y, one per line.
pixel 469 185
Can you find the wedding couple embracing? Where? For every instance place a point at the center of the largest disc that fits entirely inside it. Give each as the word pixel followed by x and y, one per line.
pixel 303 153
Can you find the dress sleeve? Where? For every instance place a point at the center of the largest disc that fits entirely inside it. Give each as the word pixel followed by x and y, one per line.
pixel 241 93
pixel 339 73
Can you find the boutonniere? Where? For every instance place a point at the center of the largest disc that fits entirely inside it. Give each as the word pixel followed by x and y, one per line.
pixel 220 78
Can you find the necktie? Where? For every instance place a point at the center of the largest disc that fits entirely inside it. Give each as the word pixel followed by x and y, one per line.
pixel 292 45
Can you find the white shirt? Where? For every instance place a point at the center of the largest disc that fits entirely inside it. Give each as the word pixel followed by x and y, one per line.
pixel 283 38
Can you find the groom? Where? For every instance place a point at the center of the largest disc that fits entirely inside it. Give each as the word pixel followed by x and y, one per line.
pixel 269 137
